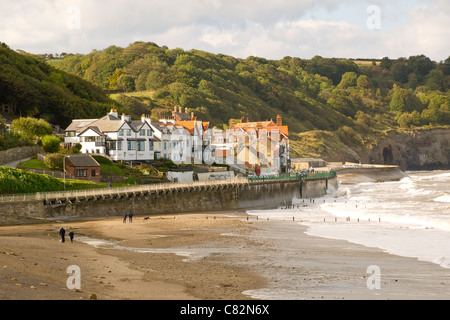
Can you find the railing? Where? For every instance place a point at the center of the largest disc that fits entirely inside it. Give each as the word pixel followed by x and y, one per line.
pixel 156 187
pixel 293 176
pixel 18 197
pixel 116 190
pixel 56 174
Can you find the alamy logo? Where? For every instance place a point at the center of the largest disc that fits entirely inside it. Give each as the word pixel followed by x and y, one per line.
pixel 374 18
pixel 74 20
pixel 374 281
pixel 74 281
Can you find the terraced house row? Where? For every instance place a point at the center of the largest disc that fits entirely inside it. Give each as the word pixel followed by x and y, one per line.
pixel 183 139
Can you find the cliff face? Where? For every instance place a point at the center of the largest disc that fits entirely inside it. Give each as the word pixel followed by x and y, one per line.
pixel 414 150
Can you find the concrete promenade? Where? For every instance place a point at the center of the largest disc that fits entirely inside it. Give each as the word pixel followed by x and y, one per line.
pixel 168 198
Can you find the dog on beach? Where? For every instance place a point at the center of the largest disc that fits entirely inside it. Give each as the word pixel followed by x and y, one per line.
pixel 146 218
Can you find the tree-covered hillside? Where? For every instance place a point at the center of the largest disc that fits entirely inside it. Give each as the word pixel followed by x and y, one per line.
pixel 328 104
pixel 312 94
pixel 347 102
pixel 31 87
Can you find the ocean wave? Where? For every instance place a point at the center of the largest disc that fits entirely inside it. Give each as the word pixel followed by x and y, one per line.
pixel 443 198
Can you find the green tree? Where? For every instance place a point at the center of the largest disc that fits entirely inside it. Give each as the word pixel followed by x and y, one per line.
pixel 349 79
pixel 432 116
pixel 405 120
pixel 114 79
pixel 386 63
pixel 445 66
pixel 420 65
pixel 399 71
pixel 435 80
pixel 125 83
pixel 342 104
pixel 31 128
pixel 54 161
pixel 50 144
pixel 363 83
pixel 416 118
pixel 404 100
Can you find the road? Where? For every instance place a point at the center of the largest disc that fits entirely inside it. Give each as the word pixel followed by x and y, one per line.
pixel 14 164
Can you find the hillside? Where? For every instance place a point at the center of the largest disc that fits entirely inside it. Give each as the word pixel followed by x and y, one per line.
pixel 18 181
pixel 31 87
pixel 330 105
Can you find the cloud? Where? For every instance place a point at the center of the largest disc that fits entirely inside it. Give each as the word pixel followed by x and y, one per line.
pixel 271 29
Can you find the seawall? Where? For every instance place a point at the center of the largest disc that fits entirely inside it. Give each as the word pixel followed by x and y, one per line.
pixel 267 194
pixel 368 173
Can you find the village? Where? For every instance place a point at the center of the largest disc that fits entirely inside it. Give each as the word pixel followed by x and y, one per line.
pixel 245 148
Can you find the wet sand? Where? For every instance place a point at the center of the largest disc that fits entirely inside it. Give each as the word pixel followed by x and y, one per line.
pixel 33 261
pixel 215 256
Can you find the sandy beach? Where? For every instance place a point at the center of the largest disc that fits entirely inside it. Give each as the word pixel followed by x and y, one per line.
pixel 33 261
pixel 215 256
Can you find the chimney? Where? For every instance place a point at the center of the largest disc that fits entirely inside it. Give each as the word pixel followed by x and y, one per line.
pixel 179 110
pixel 114 112
pixel 124 117
pixel 243 120
pixel 232 124
pixel 174 109
pixel 279 121
pixel 192 116
pixel 186 110
pixel 143 118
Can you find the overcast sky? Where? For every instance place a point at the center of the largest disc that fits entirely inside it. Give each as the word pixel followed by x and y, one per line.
pixel 266 28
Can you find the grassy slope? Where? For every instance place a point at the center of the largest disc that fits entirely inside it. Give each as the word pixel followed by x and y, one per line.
pixel 19 181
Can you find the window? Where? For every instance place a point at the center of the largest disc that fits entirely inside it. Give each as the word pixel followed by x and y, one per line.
pixel 111 145
pixel 89 139
pixel 149 132
pixel 119 145
pixel 121 132
pixel 142 132
pixel 93 173
pixel 81 172
pixel 151 146
pixel 131 145
pixel 165 146
pixel 128 133
pixel 141 145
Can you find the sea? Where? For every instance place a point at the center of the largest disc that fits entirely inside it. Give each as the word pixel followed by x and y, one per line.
pixel 408 218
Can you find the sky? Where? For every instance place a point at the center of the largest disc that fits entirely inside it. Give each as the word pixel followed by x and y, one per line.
pixel 271 29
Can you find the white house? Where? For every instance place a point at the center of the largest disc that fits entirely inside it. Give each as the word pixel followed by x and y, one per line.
pixel 182 138
pixel 174 141
pixel 118 137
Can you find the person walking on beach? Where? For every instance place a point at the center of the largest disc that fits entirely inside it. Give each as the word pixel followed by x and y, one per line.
pixel 62 233
pixel 71 235
pixel 130 216
pixel 125 217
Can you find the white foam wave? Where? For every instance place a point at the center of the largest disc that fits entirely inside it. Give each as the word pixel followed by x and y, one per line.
pixel 443 198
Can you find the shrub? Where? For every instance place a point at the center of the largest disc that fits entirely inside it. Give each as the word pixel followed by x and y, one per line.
pixel 50 144
pixel 31 127
pixel 54 161
pixel 19 181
